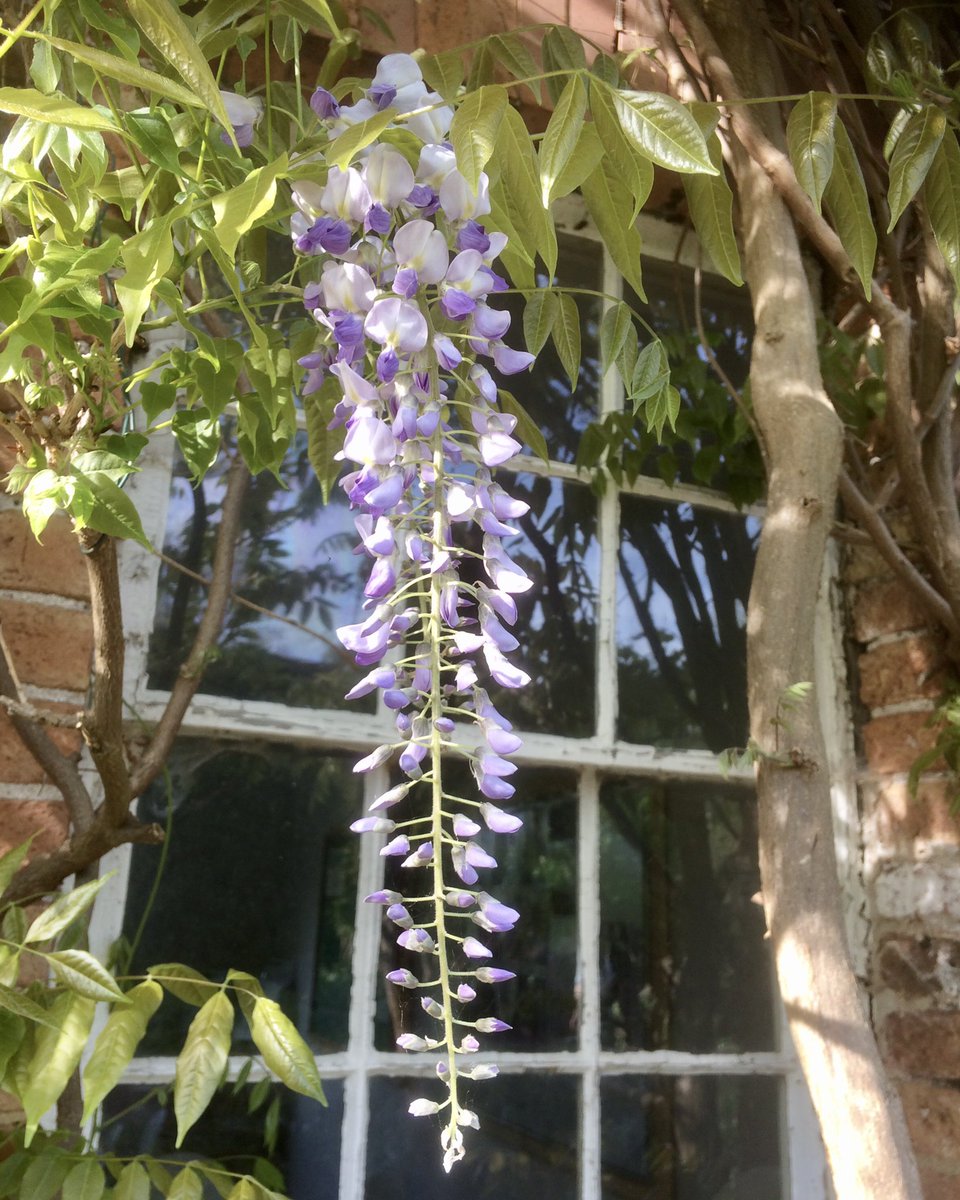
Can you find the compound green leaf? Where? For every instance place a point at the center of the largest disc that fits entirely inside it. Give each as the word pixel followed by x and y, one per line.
pixel 912 157
pixel 444 72
pixel 849 207
pixel 608 202
pixel 562 50
pixel 131 73
pixel 941 191
pixel 474 129
pixel 561 136
pixel 201 1062
pixel 113 511
pixel 661 129
pixel 52 110
pixel 183 982
pixel 133 1184
pixel 651 373
pixel 187 1185
pixel 634 170
pixel 319 9
pixel 44 1176
pixel 810 140
pixel 55 1057
pixel 662 409
pixel 161 21
pixel 615 326
pixel 147 256
pixel 85 1181
pixel 520 186
pixel 65 909
pixel 322 442
pixel 21 1005
pixel 117 1043
pixel 539 315
pixel 342 149
pixel 283 1049
pixel 586 154
pixel 566 336
pixel 11 861
pixel 511 52
pixel 12 1030
pixel 81 972
pixel 198 436
pixel 239 209
pixel 711 209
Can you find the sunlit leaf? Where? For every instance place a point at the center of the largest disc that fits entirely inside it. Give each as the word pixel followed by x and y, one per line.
pixel 538 317
pixel 586 154
pixel 81 972
pixel 283 1049
pixel 237 210
pixel 117 1042
pixel 561 136
pixel 21 1005
pixel 444 72
pixel 11 861
pixel 147 256
pixel 662 130
pixel 133 1184
pixel 941 191
pixel 710 201
pixel 474 129
pixel 810 140
pixel 187 1185
pixel 66 908
pixel 85 1181
pixel 520 181
pixel 607 200
pixel 56 1054
pixel 52 110
pixel 342 149
pixel 633 169
pixel 130 73
pixel 513 54
pixel 44 1176
pixel 562 50
pixel 912 157
pixel 201 1062
pixel 183 982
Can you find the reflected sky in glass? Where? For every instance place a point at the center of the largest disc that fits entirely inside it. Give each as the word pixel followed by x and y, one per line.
pixel 690 1138
pixel 682 590
pixel 683 961
pixel 260 847
pixel 295 557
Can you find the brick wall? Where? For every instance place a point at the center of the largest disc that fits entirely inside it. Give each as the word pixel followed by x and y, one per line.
pixel 911 866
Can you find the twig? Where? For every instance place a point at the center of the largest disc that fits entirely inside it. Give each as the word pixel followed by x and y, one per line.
pixel 40 716
pixel 941 398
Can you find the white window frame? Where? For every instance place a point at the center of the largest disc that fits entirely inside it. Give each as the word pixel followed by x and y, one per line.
pixel 804 1171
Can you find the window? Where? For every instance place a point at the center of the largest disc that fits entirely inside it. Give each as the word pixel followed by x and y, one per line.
pixel 648 1055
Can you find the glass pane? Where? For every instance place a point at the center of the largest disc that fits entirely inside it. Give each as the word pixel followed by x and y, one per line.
pixel 260 875
pixel 294 558
pixel 682 592
pixel 558 549
pixel 537 875
pixel 544 391
pixel 690 1138
pixel 527 1142
pixel 683 961
pixel 307 1151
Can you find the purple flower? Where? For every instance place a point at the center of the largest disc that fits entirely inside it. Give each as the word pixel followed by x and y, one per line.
pixel 398 845
pixel 399 916
pixel 491 1025
pixel 383 897
pixel 499 821
pixel 373 825
pixel 494 916
pixel 465 993
pixel 474 949
pixel 417 940
pixel 324 104
pixel 493 975
pixel 403 978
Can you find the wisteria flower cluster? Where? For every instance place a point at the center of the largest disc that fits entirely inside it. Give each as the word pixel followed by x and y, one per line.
pixel 406 328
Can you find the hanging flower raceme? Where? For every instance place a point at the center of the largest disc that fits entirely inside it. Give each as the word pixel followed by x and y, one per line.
pixel 405 328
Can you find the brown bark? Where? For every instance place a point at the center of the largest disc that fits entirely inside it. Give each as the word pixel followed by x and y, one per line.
pixel 860 1116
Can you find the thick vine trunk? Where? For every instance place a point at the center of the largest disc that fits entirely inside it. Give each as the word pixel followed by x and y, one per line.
pixel 859 1112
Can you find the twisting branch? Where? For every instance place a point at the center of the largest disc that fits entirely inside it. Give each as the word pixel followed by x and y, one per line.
pixel 218 596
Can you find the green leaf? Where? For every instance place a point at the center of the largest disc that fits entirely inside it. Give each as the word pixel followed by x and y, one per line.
pixel 201 1062
pixel 117 1043
pixel 941 191
pixel 520 187
pixel 607 69
pixel 11 861
pixel 632 169
pixel 187 1185
pixel 81 972
pixel 198 436
pixel 586 154
pixel 562 50
pixel 342 149
pixel 651 373
pixel 542 309
pixel 318 9
pixel 12 1029
pixel 662 409
pixel 237 210
pixel 710 201
pixel 661 129
pixel 615 326
pixel 128 72
pixel 152 133
pixel 849 207
pixel 161 21
pixel 474 129
pixel 566 336
pixel 183 982
pixel 810 140
pixel 284 1050
pixel 322 442
pixel 85 1181
pixel 64 910
pixel 444 72
pixel 147 256
pixel 561 136
pixel 527 429
pixel 512 53
pixel 55 1057
pixel 913 156
pixel 608 201
pixel 22 1006
pixel 44 68
pixel 113 512
pixel 133 1184
pixel 52 110
pixel 44 1177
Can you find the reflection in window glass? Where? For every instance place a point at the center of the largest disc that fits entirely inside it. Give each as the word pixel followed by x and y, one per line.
pixel 260 849
pixel 526 1144
pixel 557 547
pixel 295 557
pixel 307 1150
pixel 690 1138
pixel 682 591
pixel 537 875
pixel 683 962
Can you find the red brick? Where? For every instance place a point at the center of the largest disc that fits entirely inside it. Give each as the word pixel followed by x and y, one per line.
pixel 46 819
pixel 924 1043
pixel 886 607
pixel 933 1118
pixel 51 646
pixel 55 566
pixel 938 1185
pixel 17 764
pixel 920 968
pixel 445 24
pixel 400 15
pixel 893 743
pixel 903 822
pixel 898 671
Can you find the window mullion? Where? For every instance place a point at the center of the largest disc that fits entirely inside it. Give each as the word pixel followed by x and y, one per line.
pixel 588 891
